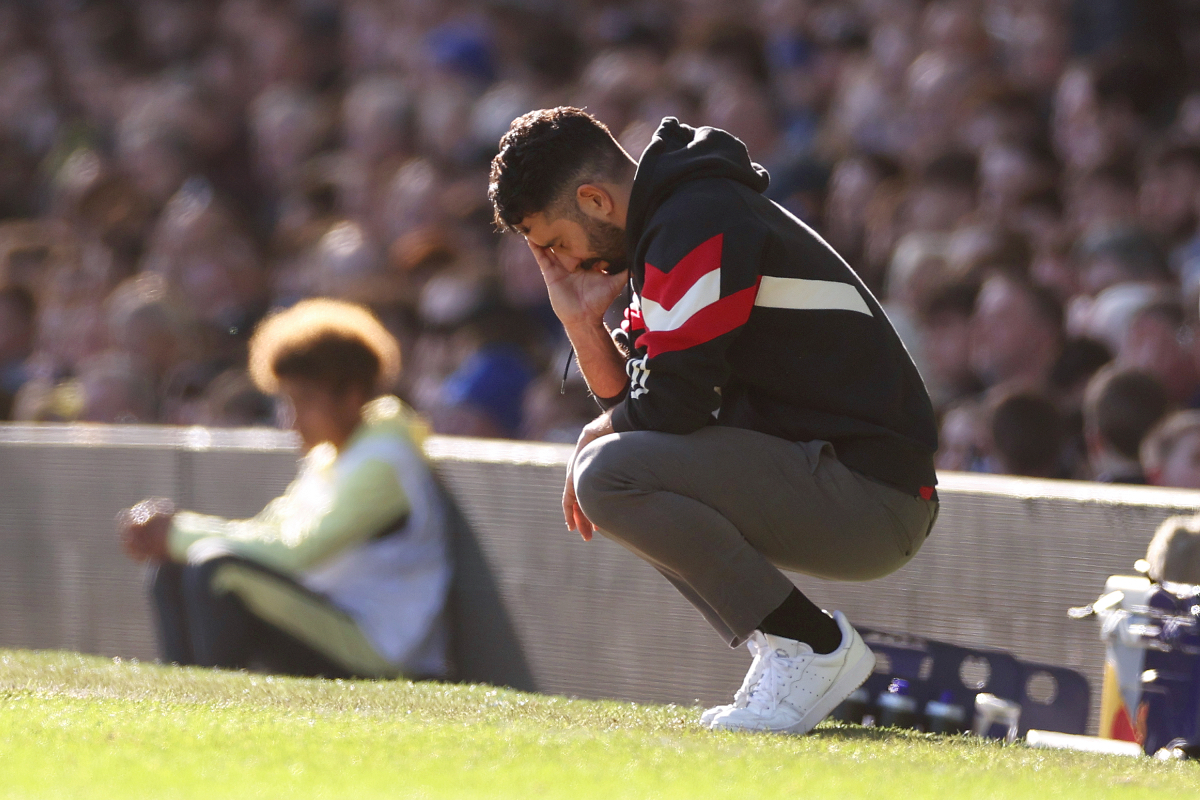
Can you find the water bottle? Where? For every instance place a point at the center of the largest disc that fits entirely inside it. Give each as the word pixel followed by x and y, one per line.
pixel 944 716
pixel 897 709
pixel 996 717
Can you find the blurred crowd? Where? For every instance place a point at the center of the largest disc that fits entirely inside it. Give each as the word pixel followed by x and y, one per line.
pixel 1017 180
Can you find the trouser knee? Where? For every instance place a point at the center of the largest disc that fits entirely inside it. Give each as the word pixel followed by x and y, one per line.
pixel 603 477
pixel 197 578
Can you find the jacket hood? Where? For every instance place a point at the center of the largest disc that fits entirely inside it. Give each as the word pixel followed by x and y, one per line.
pixel 679 153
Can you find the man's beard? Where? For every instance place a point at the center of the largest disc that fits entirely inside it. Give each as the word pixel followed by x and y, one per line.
pixel 607 241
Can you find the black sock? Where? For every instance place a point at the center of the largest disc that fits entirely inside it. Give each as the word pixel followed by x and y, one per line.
pixel 797 618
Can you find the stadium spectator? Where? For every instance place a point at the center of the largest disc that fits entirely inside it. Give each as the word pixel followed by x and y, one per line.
pixel 979 250
pixel 1079 359
pixel 1160 342
pixel 944 195
pixel 1109 255
pixel 113 388
pixel 1120 407
pixel 945 330
pixel 1008 173
pixel 963 439
pixel 1022 131
pixel 1168 192
pixel 1103 197
pixel 103 204
pixel 232 400
pixel 917 267
pixel 17 315
pixel 1106 317
pixel 148 325
pixel 204 254
pixel 852 185
pixel 71 288
pixel 1016 333
pixel 485 394
pixel 344 575
pixel 1170 452
pixel 556 410
pixel 1027 436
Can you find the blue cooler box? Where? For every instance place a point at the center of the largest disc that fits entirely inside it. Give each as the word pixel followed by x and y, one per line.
pixel 1168 714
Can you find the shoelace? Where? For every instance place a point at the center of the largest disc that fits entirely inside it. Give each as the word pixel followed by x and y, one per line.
pixel 765 693
pixel 758 648
pixel 772 681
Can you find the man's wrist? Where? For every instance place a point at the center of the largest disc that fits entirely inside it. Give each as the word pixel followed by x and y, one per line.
pixel 600 426
pixel 587 328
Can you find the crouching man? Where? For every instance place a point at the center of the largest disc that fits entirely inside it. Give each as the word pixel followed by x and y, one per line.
pixel 761 411
pixel 346 574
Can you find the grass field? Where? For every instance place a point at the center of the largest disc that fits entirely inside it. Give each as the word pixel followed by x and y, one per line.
pixel 75 726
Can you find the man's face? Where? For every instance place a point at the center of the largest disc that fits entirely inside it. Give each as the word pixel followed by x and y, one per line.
pixel 579 243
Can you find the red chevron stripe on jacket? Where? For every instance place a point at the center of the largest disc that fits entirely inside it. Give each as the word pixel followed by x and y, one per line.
pixel 683 307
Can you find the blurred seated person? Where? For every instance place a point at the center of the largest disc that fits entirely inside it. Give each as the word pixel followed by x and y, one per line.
pixel 1171 452
pixel 1120 407
pixel 346 574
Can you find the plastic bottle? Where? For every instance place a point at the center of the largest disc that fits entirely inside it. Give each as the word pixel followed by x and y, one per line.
pixel 944 716
pixel 996 717
pixel 896 708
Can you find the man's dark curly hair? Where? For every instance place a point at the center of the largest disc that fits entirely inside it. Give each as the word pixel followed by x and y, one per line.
pixel 544 157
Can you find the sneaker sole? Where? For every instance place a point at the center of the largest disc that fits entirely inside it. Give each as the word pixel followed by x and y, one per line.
pixel 854 676
pixel 707 723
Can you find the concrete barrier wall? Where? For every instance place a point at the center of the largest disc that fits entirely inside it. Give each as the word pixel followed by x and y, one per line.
pixel 533 606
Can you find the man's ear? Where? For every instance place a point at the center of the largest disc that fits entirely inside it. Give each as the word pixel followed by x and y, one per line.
pixel 595 201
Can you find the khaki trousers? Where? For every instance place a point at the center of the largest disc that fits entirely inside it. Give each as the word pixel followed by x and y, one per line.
pixel 721 511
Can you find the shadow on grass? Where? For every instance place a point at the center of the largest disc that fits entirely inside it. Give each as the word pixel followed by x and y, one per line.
pixel 861 734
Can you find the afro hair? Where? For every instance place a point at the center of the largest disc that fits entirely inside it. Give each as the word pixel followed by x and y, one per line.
pixel 332 342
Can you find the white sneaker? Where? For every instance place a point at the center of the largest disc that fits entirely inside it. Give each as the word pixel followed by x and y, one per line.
pixel 795 688
pixel 757 645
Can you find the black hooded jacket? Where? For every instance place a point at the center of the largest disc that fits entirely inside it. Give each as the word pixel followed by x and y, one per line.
pixel 743 316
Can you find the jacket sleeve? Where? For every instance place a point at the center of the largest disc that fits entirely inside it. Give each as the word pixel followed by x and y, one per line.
pixel 293 532
pixel 701 279
pixel 631 327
